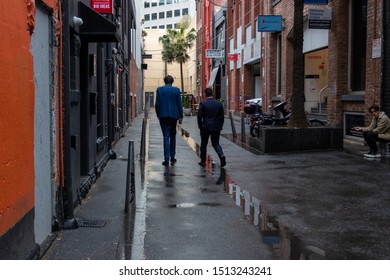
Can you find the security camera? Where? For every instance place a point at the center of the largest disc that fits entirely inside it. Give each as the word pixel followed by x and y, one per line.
pixel 114 51
pixel 77 21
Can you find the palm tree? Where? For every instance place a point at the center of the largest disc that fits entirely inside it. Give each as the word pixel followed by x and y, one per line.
pixel 298 116
pixel 176 44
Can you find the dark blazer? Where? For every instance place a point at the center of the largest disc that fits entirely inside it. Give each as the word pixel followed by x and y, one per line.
pixel 168 102
pixel 210 115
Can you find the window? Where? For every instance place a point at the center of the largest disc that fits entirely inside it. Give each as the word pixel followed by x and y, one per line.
pixel 279 65
pixel 169 14
pixel 154 27
pixel 147 17
pixel 184 11
pixel 161 27
pixel 358 36
pixel 154 4
pixel 169 2
pixel 161 3
pixel 248 35
pixel 146 4
pixel 177 13
pixel 154 16
pixel 161 15
pixel 169 26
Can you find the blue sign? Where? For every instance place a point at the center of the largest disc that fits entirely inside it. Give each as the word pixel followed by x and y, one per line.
pixel 269 23
pixel 315 2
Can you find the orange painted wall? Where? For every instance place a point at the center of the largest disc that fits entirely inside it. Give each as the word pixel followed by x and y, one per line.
pixel 16 112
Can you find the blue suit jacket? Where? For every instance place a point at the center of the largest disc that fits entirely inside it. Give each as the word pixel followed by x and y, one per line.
pixel 210 115
pixel 168 102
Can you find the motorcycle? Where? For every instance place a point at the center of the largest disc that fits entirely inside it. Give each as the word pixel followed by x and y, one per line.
pixel 253 109
pixel 270 119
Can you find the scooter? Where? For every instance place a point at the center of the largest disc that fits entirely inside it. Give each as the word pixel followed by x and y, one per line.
pixel 269 119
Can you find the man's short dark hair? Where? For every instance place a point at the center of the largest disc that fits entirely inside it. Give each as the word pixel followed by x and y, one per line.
pixel 374 107
pixel 168 80
pixel 208 92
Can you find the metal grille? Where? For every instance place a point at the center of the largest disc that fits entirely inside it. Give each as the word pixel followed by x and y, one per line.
pixel 91 223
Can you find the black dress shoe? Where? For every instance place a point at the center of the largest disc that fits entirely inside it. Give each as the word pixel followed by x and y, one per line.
pixel 165 163
pixel 223 161
pixel 201 163
pixel 173 161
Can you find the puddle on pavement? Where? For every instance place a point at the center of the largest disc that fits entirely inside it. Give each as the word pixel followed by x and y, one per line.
pixel 285 245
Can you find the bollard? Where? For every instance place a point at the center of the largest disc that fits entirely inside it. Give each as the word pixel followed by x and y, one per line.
pixel 143 140
pixel 130 180
pixel 232 123
pixel 242 127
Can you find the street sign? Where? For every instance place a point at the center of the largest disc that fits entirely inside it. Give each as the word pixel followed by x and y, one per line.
pixel 214 53
pixel 269 23
pixel 320 18
pixel 233 56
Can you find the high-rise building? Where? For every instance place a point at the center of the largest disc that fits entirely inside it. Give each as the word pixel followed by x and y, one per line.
pixel 165 14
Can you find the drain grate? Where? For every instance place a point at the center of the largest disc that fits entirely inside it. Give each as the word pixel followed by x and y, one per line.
pixel 91 223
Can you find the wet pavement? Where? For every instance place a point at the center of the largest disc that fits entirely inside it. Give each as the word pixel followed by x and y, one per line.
pixel 306 205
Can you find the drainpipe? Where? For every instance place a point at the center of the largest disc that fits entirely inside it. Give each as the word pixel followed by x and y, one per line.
pixel 69 220
pixel 109 66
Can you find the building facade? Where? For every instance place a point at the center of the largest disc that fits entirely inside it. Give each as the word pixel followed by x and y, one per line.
pixel 165 14
pixel 72 84
pixel 345 62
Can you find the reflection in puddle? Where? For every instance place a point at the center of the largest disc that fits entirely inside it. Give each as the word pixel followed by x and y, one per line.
pixel 190 205
pixel 285 245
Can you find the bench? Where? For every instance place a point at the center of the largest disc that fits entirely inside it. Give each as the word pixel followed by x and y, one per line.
pixel 384 149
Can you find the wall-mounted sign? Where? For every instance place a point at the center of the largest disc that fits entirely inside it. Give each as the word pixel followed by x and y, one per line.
pixel 233 56
pixel 315 2
pixel 103 6
pixel 320 18
pixel 269 23
pixel 352 120
pixel 376 48
pixel 214 53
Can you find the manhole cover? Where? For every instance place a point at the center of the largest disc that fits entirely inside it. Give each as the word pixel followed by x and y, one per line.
pixel 91 223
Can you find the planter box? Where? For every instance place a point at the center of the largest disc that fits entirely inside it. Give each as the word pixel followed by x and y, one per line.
pixel 187 111
pixel 273 139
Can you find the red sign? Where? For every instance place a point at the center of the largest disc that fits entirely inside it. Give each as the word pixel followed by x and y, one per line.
pixel 233 56
pixel 102 6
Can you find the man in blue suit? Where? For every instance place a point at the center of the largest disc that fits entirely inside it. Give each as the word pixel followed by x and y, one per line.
pixel 169 110
pixel 210 122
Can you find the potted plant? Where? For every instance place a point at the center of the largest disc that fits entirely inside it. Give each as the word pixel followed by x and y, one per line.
pixel 187 104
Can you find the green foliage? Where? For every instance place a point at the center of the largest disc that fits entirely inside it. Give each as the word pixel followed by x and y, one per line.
pixel 185 99
pixel 176 44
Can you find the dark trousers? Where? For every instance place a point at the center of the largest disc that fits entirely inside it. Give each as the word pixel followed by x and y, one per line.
pixel 371 139
pixel 168 128
pixel 204 136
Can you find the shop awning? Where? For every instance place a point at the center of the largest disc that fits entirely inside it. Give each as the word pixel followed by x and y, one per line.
pixel 95 27
pixel 213 75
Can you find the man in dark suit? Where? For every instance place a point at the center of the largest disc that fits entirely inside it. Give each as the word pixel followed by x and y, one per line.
pixel 169 110
pixel 210 123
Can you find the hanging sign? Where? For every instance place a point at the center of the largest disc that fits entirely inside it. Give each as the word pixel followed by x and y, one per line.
pixel 233 56
pixel 320 18
pixel 269 23
pixel 103 6
pixel 214 53
pixel 315 2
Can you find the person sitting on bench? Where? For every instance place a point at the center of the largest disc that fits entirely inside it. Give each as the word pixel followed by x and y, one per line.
pixel 378 130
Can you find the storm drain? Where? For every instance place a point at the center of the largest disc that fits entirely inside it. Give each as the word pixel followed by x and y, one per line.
pixel 91 223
